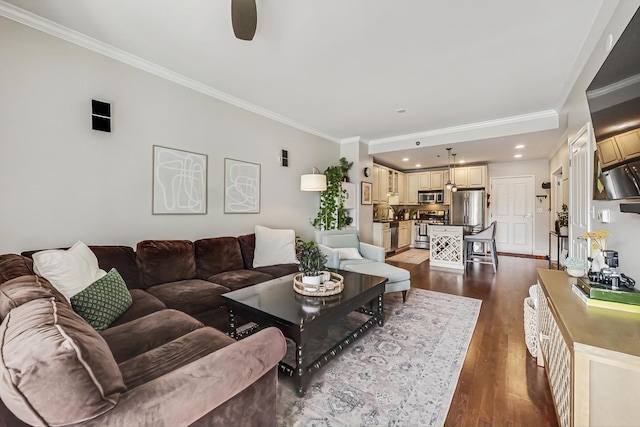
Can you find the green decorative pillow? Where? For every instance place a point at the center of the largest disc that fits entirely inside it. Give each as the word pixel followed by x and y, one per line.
pixel 103 301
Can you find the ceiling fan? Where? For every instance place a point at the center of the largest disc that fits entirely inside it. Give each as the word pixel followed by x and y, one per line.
pixel 244 18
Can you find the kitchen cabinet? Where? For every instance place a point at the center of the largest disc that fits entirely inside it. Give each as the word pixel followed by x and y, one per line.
pixel 436 180
pixel 392 184
pixel 591 355
pixel 404 234
pixel 619 148
pixel 382 235
pixel 402 188
pixel 412 188
pixel 424 180
pixel 383 189
pixel 470 177
pixel 476 176
pixel 460 177
pixel 446 245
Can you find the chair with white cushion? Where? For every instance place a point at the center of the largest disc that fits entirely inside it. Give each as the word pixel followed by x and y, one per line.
pixel 345 251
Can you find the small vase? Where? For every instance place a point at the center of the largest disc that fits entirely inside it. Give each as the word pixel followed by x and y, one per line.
pixel 575 272
pixel 598 262
pixel 564 230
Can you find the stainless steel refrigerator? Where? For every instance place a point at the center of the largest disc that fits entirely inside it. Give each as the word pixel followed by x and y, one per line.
pixel 467 208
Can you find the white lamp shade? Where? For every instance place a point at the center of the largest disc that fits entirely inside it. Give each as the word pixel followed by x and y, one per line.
pixel 313 182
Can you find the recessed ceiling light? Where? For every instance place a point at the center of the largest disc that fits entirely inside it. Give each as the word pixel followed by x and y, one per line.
pixel 418 165
pixel 401 110
pixel 517 156
pixel 406 159
pixel 460 161
pixel 519 146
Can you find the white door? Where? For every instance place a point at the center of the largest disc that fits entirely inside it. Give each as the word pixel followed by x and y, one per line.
pixel 512 209
pixel 580 179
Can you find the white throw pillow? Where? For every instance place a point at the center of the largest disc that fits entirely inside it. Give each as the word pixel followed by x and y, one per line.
pixel 274 247
pixel 71 270
pixel 349 253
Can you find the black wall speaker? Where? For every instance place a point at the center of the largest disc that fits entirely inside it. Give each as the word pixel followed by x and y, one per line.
pixel 546 185
pixel 100 116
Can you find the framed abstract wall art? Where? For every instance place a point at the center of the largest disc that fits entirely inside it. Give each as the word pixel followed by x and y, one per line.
pixel 179 182
pixel 241 187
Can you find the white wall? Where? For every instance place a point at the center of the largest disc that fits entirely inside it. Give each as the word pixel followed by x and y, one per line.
pixel 540 170
pixel 624 227
pixel 60 181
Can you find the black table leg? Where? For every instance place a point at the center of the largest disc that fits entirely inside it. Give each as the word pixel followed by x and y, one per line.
pixel 381 309
pixel 232 324
pixel 301 380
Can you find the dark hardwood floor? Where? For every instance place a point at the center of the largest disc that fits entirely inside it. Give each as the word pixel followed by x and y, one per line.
pixel 500 383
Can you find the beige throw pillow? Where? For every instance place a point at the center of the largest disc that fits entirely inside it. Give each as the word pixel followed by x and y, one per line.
pixel 69 271
pixel 274 247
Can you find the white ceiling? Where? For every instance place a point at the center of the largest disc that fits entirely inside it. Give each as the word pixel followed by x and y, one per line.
pixel 480 76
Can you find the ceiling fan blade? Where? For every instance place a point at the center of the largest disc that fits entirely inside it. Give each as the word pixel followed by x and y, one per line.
pixel 244 18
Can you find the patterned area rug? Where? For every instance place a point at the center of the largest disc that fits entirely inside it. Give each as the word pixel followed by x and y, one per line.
pixel 412 256
pixel 404 373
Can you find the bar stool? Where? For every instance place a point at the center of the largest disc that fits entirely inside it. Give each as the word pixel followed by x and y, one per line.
pixel 486 236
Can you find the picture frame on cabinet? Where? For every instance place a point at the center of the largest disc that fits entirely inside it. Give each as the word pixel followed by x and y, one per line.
pixel 366 193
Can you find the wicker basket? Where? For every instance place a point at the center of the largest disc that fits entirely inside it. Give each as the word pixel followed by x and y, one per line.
pixel 331 287
pixel 530 327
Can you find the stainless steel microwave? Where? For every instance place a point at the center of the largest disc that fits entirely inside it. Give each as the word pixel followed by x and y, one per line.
pixel 436 196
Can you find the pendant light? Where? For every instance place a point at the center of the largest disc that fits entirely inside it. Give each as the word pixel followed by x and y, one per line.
pixel 448 185
pixel 454 188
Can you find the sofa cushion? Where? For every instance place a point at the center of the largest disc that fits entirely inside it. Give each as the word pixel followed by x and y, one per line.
pixel 340 240
pixel 274 247
pixel 190 296
pixel 55 368
pixel 71 270
pixel 216 255
pixel 103 301
pixel 279 270
pixel 122 258
pixel 248 247
pixel 349 253
pixel 164 261
pixel 146 333
pixel 13 265
pixel 23 289
pixel 239 278
pixel 143 303
pixel 172 355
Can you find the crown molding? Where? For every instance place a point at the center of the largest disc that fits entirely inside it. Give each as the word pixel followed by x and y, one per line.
pixel 471 127
pixel 350 139
pixel 47 26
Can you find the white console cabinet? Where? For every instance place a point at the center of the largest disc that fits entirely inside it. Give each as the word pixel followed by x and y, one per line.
pixel 591 356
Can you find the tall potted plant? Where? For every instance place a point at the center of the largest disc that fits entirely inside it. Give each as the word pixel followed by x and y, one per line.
pixel 312 261
pixel 332 215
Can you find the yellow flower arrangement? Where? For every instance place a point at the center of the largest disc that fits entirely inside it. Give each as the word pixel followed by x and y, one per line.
pixel 598 238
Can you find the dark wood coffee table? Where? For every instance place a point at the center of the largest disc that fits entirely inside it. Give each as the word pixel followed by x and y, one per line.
pixel 302 318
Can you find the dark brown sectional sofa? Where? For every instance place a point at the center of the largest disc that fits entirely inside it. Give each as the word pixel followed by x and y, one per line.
pixel 165 361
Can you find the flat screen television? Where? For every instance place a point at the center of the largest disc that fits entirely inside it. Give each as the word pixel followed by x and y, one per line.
pixel 614 104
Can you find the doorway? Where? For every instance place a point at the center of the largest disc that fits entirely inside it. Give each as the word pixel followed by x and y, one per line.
pixel 512 209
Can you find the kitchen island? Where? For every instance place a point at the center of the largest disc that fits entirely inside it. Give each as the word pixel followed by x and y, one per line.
pixel 446 246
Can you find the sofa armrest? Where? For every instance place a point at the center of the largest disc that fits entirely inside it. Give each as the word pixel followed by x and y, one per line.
pixel 333 256
pixel 372 252
pixel 185 395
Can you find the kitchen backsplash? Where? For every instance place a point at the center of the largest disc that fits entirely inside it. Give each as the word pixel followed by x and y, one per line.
pixel 381 211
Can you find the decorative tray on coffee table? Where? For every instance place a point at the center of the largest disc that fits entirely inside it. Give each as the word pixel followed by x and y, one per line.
pixel 333 286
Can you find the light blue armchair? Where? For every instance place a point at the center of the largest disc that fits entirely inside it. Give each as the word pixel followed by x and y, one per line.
pixel 345 251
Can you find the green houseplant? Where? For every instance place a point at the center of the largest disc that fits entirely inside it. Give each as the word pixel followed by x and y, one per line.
pixel 312 261
pixel 332 215
pixel 345 165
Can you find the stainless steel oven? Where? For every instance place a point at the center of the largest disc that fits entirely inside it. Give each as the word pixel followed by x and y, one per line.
pixel 422 236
